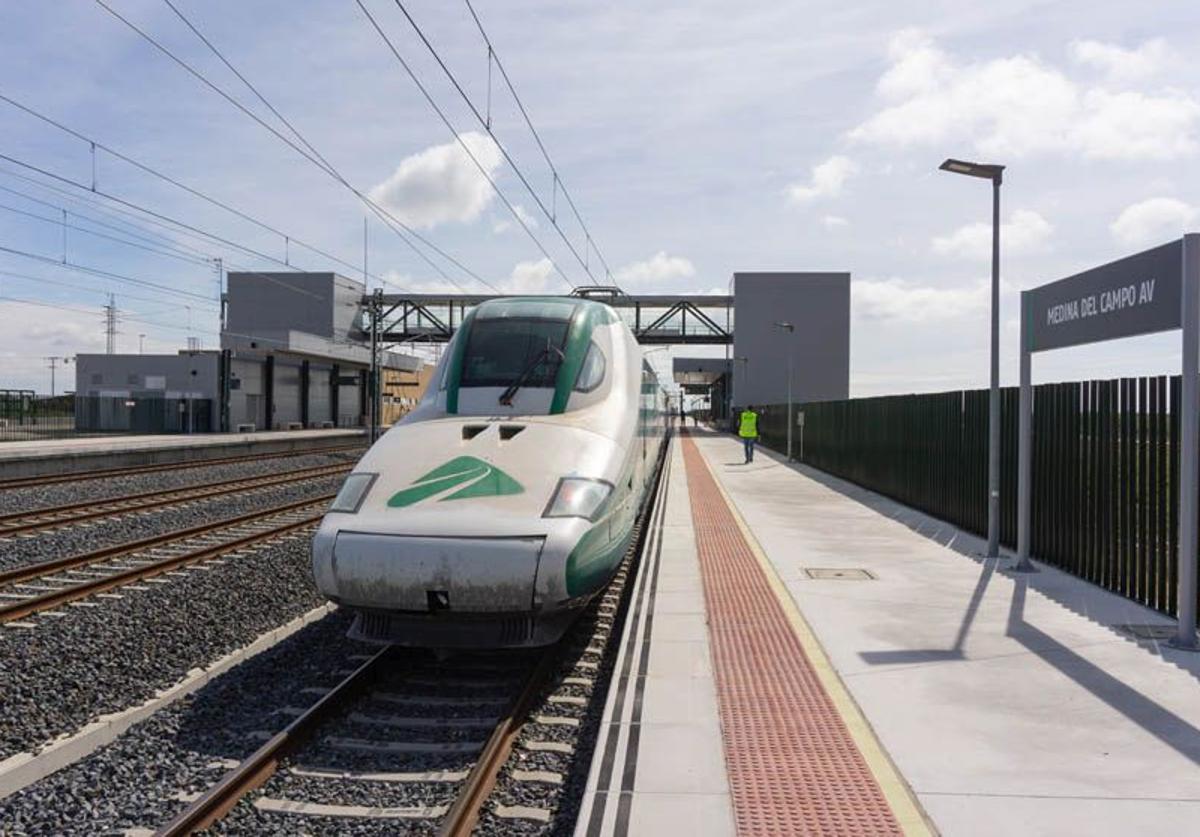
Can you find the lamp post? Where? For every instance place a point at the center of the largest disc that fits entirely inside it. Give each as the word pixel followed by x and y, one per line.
pixel 790 329
pixel 745 361
pixel 994 173
pixel 141 344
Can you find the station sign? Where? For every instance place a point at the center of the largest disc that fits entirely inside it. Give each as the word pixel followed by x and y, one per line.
pixel 1139 294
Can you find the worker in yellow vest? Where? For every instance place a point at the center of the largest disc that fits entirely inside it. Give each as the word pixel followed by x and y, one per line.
pixel 748 430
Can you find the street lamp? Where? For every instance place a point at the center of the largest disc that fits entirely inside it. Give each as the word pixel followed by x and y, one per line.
pixel 141 344
pixel 994 173
pixel 790 329
pixel 745 361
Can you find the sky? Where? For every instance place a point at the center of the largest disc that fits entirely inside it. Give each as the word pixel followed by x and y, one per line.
pixel 695 138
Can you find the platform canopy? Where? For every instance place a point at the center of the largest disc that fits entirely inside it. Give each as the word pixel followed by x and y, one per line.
pixel 663 319
pixel 698 374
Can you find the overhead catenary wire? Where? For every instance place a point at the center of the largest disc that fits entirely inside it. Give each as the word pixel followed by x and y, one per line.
pixel 158 219
pixel 115 214
pixel 69 265
pixel 58 222
pixel 462 143
pixel 486 122
pixel 29 277
pixel 558 181
pixel 91 311
pixel 329 167
pixel 392 222
pixel 166 179
pixel 153 213
pixel 182 224
pixel 140 234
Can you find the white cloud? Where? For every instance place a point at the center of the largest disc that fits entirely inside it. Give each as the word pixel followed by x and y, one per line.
pixel 32 331
pixel 441 183
pixel 827 181
pixel 1024 232
pixel 506 224
pixel 529 277
pixel 658 268
pixel 1121 64
pixel 1019 105
pixel 831 222
pixel 898 300
pixel 1153 221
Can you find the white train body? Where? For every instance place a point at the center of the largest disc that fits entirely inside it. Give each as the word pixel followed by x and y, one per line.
pixel 476 523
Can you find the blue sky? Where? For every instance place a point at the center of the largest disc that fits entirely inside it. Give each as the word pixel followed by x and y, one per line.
pixel 698 138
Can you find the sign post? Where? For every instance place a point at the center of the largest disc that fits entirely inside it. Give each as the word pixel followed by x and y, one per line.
pixel 1153 291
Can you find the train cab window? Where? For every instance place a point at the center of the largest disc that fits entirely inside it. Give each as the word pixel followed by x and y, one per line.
pixel 591 373
pixel 502 351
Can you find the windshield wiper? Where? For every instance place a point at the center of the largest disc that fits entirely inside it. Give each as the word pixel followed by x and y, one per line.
pixel 506 397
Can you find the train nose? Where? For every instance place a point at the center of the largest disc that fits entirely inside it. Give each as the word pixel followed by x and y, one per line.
pixel 427 574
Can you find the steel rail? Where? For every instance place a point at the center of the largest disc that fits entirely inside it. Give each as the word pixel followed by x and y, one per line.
pixel 262 764
pixel 33 519
pixel 69 562
pixel 57 598
pixel 106 473
pixel 460 820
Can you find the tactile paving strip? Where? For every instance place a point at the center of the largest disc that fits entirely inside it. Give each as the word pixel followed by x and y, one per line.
pixel 793 766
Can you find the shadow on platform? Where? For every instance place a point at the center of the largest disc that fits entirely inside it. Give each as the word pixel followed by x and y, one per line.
pixel 1172 730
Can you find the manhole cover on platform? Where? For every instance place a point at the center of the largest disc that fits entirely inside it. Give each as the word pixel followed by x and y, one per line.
pixel 1156 632
pixel 839 574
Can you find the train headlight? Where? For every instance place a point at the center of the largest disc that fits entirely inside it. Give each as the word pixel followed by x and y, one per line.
pixel 578 497
pixel 353 492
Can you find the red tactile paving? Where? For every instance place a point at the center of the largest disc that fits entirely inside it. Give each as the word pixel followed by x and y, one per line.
pixel 793 766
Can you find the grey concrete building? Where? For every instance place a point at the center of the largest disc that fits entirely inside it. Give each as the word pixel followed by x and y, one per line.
pixel 148 393
pixel 293 355
pixel 817 306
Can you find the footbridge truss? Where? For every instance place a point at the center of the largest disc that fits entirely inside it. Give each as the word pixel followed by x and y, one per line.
pixel 661 319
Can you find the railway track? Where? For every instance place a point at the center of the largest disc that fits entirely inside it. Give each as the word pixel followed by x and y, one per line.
pixel 496 697
pixel 45 586
pixel 108 473
pixel 53 517
pixel 376 749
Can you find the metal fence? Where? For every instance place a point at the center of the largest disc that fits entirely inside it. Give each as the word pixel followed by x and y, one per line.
pixel 25 416
pixel 1105 469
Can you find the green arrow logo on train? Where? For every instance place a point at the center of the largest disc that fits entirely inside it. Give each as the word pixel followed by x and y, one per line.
pixel 477 478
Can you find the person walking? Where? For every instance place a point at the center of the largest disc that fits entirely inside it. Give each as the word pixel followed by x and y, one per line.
pixel 748 430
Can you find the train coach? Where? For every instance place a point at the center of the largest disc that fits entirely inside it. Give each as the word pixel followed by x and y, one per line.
pixel 506 500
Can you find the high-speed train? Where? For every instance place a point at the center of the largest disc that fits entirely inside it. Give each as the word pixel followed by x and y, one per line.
pixel 497 508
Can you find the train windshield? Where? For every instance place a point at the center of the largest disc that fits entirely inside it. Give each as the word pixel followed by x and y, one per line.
pixel 505 351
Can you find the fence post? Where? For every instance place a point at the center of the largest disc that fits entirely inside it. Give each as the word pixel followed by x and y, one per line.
pixel 1024 442
pixel 1189 425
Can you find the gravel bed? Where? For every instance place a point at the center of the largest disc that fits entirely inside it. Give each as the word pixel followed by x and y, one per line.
pixel 134 782
pixel 562 800
pixel 66 671
pixel 17 550
pixel 59 494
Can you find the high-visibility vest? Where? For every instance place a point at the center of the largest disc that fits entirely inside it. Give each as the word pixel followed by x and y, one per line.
pixel 748 427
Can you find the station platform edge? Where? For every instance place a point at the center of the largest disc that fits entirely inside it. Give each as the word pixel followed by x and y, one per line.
pixel 805 657
pixel 79 455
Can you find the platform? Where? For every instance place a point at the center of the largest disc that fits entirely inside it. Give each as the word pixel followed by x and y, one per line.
pixel 77 455
pixel 979 701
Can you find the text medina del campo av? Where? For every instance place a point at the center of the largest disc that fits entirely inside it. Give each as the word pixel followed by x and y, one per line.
pixel 1114 299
